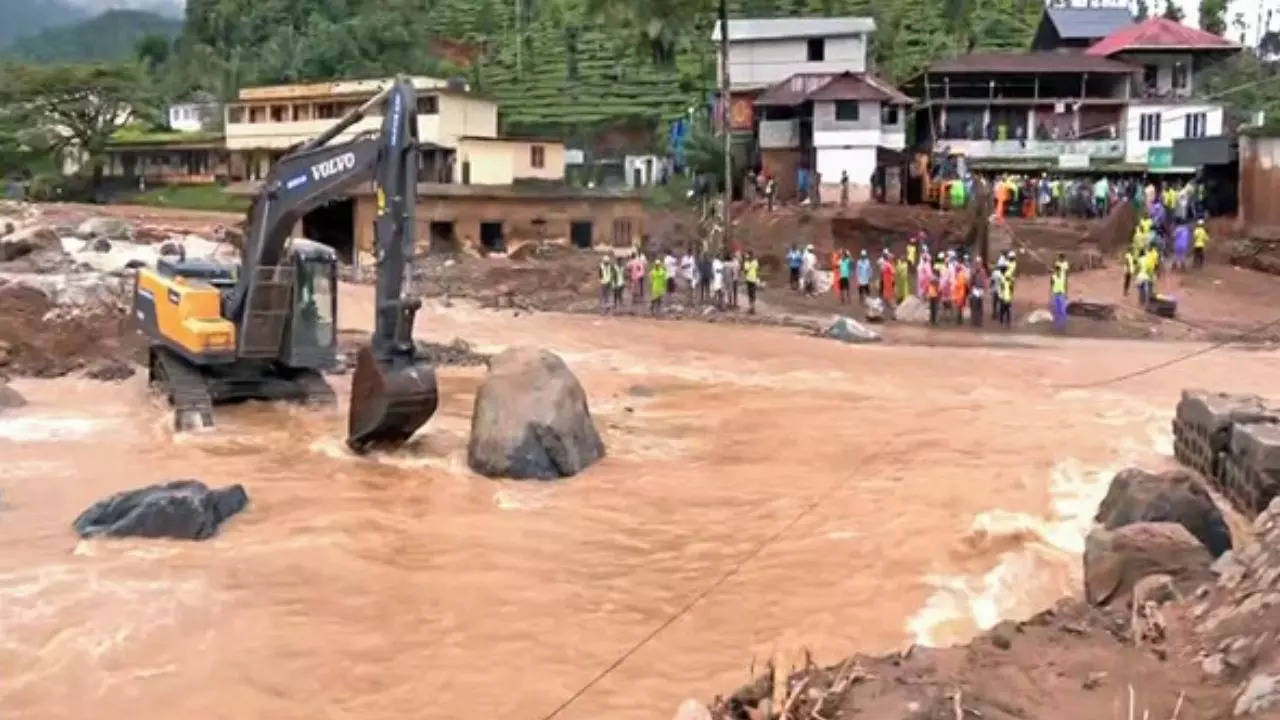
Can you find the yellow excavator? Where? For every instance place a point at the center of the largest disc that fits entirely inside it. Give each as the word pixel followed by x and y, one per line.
pixel 266 328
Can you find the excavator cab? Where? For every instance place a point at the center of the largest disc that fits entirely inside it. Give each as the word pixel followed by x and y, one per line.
pixel 312 336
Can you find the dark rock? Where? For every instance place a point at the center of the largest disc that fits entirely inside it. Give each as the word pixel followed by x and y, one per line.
pixel 175 249
pixel 134 264
pixel 1115 562
pixel 1095 310
pixel 101 245
pixel 111 371
pixel 10 398
pixel 183 509
pixel 28 240
pixel 643 391
pixel 1136 496
pixel 531 419
pixel 8 227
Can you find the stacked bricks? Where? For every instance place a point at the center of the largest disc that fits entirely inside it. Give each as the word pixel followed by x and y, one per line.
pixel 1234 442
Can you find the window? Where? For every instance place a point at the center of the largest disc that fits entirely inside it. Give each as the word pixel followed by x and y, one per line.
pixel 1195 125
pixel 279 113
pixel 537 156
pixel 846 110
pixel 302 111
pixel 817 50
pixel 1180 76
pixel 428 105
pixel 258 114
pixel 622 232
pixel 235 114
pixel 1149 127
pixel 326 111
pixel 889 115
pixel 1150 76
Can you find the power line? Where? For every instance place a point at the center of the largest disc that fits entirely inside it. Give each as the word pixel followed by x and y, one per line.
pixel 688 606
pixel 1167 363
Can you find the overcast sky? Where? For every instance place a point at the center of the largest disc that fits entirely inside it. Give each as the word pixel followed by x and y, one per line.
pixel 1253 10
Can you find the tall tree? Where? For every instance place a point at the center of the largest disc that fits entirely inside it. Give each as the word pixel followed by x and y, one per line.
pixel 1172 11
pixel 1213 16
pixel 77 108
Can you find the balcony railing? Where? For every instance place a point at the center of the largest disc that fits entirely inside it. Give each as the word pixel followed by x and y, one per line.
pixel 1101 149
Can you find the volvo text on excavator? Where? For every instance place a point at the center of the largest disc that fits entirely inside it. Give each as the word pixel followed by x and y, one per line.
pixel 266 328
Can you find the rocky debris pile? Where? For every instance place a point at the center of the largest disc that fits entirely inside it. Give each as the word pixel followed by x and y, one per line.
pixel 110 370
pixel 51 326
pixel 531 419
pixel 1238 619
pixel 1095 310
pixel 1176 496
pixel 848 330
pixel 1232 440
pixel 457 352
pixel 109 228
pixel 19 242
pixel 1260 255
pixel 182 509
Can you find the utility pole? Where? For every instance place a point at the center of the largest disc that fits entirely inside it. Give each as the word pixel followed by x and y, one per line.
pixel 726 218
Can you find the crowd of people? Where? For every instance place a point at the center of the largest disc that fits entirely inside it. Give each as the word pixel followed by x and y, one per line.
pixel 1163 241
pixel 707 278
pixel 950 282
pixel 1044 195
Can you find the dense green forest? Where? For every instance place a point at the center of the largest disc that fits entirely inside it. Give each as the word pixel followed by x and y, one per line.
pixel 553 63
pixel 112 36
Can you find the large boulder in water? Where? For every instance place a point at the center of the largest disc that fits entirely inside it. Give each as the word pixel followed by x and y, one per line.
pixel 531 419
pixel 1137 496
pixel 1114 562
pixel 27 240
pixel 105 227
pixel 183 509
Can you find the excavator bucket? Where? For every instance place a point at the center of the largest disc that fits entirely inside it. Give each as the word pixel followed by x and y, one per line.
pixel 389 402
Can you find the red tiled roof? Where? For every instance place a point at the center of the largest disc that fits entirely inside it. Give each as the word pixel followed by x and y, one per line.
pixel 831 86
pixel 1158 33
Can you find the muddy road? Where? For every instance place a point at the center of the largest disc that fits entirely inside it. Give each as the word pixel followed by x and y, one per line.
pixel 954 488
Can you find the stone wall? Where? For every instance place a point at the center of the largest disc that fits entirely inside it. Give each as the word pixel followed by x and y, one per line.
pixel 1234 442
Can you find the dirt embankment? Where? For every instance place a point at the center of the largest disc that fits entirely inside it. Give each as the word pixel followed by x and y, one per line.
pixel 40 338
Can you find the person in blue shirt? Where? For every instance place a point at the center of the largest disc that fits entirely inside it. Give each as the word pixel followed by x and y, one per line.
pixel 846 267
pixel 793 264
pixel 864 276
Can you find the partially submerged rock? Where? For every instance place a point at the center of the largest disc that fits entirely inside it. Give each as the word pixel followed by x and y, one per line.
pixel 30 239
pixel 849 330
pixel 873 310
pixel 1137 496
pixel 1115 562
pixel 104 227
pixel 111 370
pixel 531 419
pixel 183 509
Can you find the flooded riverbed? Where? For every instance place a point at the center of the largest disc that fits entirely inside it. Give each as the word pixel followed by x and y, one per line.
pixel 953 486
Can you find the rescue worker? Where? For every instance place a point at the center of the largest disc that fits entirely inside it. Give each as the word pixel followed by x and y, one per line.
pixel 1130 268
pixel 1146 271
pixel 1058 296
pixel 1011 272
pixel 1006 299
pixel 1199 244
pixel 751 272
pixel 619 282
pixel 657 286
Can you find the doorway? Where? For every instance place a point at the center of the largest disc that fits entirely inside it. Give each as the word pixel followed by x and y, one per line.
pixel 580 234
pixel 491 239
pixel 333 224
pixel 443 240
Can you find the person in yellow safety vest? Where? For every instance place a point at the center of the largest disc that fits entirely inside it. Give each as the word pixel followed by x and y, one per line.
pixel 657 285
pixel 1170 198
pixel 1011 273
pixel 1198 244
pixel 1006 299
pixel 606 279
pixel 1141 236
pixel 751 272
pixel 1130 268
pixel 1058 293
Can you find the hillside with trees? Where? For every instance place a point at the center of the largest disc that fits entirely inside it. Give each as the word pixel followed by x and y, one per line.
pixel 112 36
pixel 28 17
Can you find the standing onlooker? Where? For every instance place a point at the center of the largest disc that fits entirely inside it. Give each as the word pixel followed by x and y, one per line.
pixel 1201 242
pixel 717 281
pixel 689 272
pixel 978 281
pixel 732 274
pixel 808 267
pixel 1181 245
pixel 793 265
pixel 864 277
pixel 771 191
pixel 751 271
pixel 844 188
pixel 704 277
pixel 607 261
pixel 636 272
pixel 657 286
pixel 619 278
pixel 933 290
pixel 960 291
pixel 886 278
pixel 844 270
pixel 1130 268
pixel 671 265
pixel 900 279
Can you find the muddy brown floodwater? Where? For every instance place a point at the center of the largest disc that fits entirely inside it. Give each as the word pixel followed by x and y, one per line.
pixel 955 486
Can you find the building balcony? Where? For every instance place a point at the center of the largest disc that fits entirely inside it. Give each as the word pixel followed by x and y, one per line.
pixel 779 134
pixel 1109 149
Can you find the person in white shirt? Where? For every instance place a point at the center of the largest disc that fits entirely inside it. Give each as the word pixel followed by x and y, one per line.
pixel 808 264
pixel 689 272
pixel 717 281
pixel 672 266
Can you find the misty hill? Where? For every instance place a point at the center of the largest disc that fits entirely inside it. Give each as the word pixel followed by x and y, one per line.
pixel 113 35
pixel 28 17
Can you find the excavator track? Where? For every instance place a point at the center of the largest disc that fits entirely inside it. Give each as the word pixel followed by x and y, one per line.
pixel 185 387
